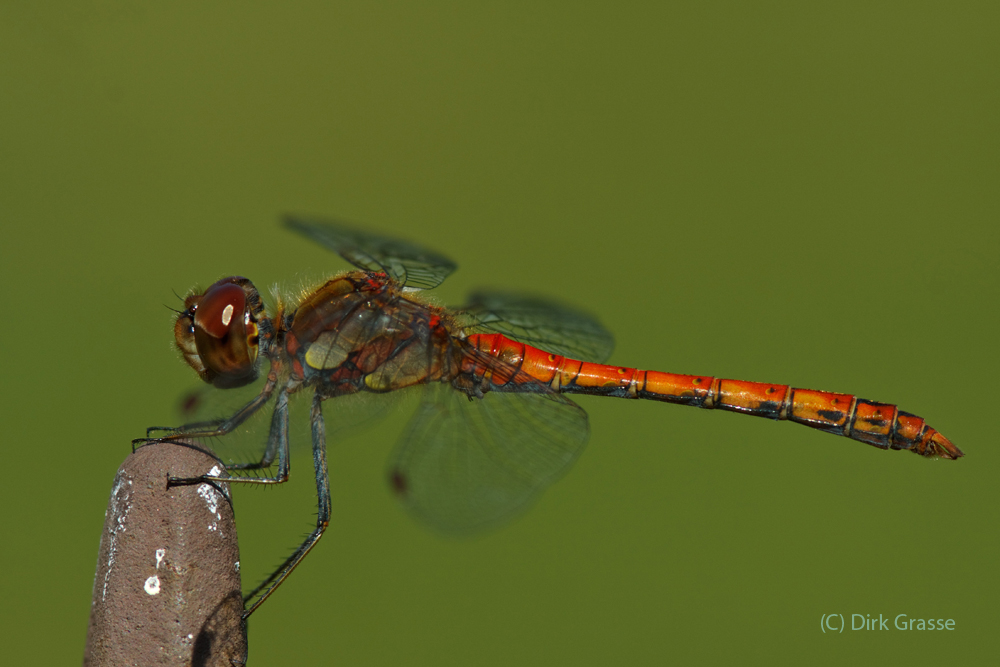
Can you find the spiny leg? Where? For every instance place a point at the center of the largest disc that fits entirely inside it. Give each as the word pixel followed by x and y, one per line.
pixel 277 443
pixel 323 512
pixel 215 427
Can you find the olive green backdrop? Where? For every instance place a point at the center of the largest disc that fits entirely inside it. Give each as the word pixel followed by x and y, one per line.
pixel 785 192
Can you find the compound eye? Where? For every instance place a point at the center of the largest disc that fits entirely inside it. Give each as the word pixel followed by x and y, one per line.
pixel 225 336
pixel 220 309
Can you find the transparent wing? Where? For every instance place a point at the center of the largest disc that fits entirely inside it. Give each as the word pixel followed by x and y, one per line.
pixel 550 326
pixel 466 465
pixel 408 264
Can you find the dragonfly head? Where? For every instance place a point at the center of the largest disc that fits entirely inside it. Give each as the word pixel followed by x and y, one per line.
pixel 218 332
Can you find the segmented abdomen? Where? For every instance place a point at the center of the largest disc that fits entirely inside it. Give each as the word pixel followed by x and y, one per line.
pixel 878 424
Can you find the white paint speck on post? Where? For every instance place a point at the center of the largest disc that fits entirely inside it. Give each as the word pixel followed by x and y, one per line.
pixel 119 508
pixel 152 585
pixel 211 497
pixel 160 553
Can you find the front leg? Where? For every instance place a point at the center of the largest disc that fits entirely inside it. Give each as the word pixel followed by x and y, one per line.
pixel 208 429
pixel 215 427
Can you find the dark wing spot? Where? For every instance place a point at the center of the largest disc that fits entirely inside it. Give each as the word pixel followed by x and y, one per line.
pixel 398 482
pixel 190 403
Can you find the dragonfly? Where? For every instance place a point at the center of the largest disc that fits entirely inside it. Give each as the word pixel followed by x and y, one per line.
pixel 494 427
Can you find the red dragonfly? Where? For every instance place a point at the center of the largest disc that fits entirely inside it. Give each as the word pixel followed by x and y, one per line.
pixel 494 427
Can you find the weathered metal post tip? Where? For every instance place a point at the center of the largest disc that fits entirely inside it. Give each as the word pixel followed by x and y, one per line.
pixel 167 588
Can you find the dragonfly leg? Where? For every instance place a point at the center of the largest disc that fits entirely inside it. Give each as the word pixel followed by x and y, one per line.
pixel 215 427
pixel 266 587
pixel 277 444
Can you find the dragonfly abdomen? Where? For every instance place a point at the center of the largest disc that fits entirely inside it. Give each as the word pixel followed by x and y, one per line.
pixel 881 425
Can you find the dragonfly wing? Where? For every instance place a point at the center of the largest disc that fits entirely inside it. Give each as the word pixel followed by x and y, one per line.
pixel 547 325
pixel 408 264
pixel 466 465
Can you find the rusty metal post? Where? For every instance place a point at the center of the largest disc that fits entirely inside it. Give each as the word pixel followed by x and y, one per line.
pixel 167 588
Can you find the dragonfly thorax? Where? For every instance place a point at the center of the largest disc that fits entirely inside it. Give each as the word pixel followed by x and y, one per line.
pixel 360 331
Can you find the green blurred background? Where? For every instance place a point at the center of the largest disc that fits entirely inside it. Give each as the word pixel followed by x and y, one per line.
pixel 785 192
